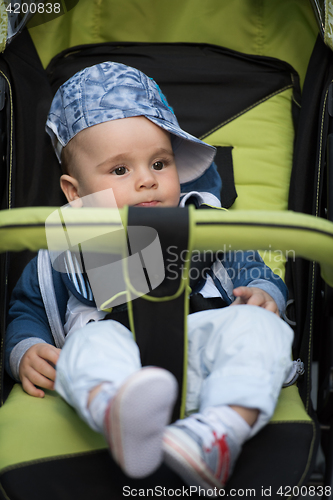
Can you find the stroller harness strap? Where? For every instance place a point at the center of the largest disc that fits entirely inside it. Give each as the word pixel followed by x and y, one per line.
pixel 160 325
pixel 46 286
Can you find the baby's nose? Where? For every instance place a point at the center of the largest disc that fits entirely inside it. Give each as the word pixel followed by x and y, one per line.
pixel 147 180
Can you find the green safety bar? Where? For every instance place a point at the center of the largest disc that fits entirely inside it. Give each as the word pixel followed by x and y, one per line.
pixel 293 234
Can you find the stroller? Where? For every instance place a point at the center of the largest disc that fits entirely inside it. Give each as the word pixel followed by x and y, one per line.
pixel 271 144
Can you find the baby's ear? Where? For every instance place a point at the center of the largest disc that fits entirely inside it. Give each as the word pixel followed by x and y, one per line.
pixel 69 186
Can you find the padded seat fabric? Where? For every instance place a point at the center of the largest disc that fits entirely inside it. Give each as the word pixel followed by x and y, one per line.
pixel 57 449
pixel 51 428
pixel 262 141
pixel 283 29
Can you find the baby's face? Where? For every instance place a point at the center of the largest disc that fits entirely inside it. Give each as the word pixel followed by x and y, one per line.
pixel 133 156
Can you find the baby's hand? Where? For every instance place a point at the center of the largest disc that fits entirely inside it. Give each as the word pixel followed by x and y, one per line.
pixel 256 297
pixel 37 369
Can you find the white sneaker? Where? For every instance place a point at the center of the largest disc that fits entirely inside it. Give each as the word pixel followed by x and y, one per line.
pixel 135 420
pixel 200 451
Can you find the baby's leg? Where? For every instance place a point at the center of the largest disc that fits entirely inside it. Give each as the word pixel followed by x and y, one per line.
pixel 245 360
pixel 99 373
pixel 100 352
pixel 238 359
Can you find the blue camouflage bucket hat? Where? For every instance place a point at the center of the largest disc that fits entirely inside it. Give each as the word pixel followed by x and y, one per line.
pixel 110 91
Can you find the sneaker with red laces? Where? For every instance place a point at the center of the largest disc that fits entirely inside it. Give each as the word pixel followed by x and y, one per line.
pixel 135 420
pixel 200 451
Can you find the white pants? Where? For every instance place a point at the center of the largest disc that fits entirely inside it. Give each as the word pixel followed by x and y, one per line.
pixel 237 355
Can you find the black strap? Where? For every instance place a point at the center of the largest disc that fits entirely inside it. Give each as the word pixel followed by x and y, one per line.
pixel 119 314
pixel 159 326
pixel 224 163
pixel 200 303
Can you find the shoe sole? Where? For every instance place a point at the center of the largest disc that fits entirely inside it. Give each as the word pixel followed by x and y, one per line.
pixel 182 455
pixel 136 420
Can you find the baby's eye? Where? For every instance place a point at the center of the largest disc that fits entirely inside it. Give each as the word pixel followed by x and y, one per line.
pixel 158 165
pixel 119 171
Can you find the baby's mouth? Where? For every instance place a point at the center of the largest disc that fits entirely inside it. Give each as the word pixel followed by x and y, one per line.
pixel 147 204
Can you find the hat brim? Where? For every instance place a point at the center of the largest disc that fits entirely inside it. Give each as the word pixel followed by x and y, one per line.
pixel 193 156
